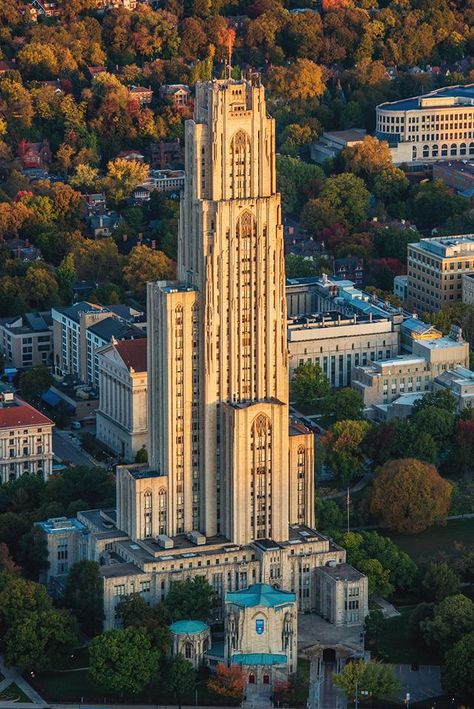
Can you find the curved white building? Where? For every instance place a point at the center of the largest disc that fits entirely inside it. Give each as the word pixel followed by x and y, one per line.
pixel 436 126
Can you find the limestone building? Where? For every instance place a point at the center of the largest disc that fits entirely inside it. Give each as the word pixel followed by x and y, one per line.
pixel 218 363
pixel 121 419
pixel 228 493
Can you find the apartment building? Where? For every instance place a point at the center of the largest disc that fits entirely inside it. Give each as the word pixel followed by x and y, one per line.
pixel 27 340
pixel 435 126
pixel 468 288
pixel 383 382
pixel 79 330
pixel 25 440
pixel 121 419
pixel 435 270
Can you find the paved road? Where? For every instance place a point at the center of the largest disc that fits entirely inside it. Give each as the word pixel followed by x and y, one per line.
pixel 12 675
pixel 65 448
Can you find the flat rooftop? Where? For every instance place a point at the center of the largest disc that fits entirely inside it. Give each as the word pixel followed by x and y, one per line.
pixel 342 572
pixel 460 95
pixel 447 246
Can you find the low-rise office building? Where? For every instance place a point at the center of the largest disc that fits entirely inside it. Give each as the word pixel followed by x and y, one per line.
pixel 436 126
pixel 121 419
pixel 337 343
pixel 468 288
pixel 342 594
pixel 383 382
pixel 435 268
pixel 27 340
pixel 25 440
pixel 460 383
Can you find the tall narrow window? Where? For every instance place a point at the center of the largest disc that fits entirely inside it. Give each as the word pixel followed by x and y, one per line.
pixel 240 165
pixel 261 442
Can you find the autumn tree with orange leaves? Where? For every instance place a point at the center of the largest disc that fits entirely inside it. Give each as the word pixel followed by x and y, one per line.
pixel 409 496
pixel 227 681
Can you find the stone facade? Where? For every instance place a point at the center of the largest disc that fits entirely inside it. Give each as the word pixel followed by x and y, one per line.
pixel 342 594
pixel 25 440
pixel 191 639
pixel 121 419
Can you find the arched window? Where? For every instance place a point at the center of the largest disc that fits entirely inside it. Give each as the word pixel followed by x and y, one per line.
pixel 261 442
pixel 266 679
pixel 162 510
pixel 463 149
pixel 188 651
pixel 471 148
pixel 454 150
pixel 147 512
pixel 444 150
pixel 414 152
pixel 426 151
pixel 434 151
pixel 240 156
pixel 251 678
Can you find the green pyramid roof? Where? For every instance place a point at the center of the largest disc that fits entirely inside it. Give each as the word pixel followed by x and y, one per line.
pixel 188 627
pixel 260 594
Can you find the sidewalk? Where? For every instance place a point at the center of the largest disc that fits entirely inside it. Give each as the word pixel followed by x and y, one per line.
pixel 12 675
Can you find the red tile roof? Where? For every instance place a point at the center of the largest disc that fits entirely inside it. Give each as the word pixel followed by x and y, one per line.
pixel 133 353
pixel 22 414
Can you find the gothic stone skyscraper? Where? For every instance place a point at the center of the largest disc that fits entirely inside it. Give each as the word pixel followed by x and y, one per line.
pixel 218 366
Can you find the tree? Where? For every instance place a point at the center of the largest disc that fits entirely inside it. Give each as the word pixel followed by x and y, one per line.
pixel 372 677
pixel 368 158
pixel 35 382
pixel 40 640
pixel 97 260
pixel 301 81
pixel 308 385
pixel 300 267
pixel 439 423
pixel 432 204
pixel 440 581
pixel 123 660
pixel 85 178
pixel 297 180
pixel 374 625
pixel 409 496
pixel 422 612
pixel 227 681
pixel 41 287
pixel 342 448
pixel 33 553
pixel 191 599
pixel 180 678
pixel 452 618
pixel 146 265
pixel 329 516
pixel 136 613
pixel 123 176
pixel 141 456
pixel 83 595
pixel 365 547
pixel 458 669
pixel 19 599
pixel 345 404
pixel 442 399
pixel 344 199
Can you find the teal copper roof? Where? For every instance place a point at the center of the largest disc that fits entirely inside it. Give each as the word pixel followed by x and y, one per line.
pixel 258 658
pixel 260 594
pixel 188 627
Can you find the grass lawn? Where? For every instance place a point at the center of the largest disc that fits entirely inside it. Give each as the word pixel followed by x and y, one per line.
pixel 395 645
pixel 446 539
pixel 76 686
pixel 13 693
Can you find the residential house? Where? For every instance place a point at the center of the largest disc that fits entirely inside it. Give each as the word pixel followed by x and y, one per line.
pixel 141 94
pixel 34 155
pixel 166 154
pixel 178 94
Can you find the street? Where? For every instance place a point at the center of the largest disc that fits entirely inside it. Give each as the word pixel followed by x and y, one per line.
pixel 65 448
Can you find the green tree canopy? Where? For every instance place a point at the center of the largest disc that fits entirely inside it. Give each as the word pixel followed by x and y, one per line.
pixel 372 677
pixel 191 599
pixel 35 382
pixel 458 669
pixel 83 595
pixel 452 618
pixel 309 386
pixel 342 448
pixel 41 640
pixel 123 660
pixel 344 403
pixel 440 581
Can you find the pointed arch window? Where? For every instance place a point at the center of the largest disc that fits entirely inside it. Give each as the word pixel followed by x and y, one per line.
pixel 240 158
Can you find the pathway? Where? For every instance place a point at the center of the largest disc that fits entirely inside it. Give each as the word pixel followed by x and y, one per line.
pixel 11 675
